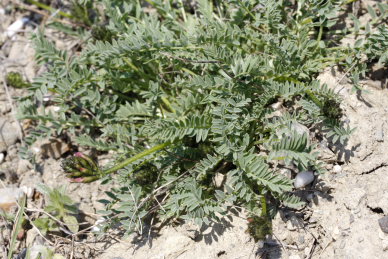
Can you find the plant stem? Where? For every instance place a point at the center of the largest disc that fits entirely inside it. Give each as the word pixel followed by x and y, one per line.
pixel 263 206
pixel 17 226
pixel 136 157
pixel 314 98
pixel 48 8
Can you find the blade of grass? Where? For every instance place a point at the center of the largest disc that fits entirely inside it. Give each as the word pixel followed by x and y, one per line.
pixel 17 226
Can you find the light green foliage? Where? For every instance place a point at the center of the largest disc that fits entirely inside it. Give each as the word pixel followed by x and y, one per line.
pixel 60 207
pixel 201 80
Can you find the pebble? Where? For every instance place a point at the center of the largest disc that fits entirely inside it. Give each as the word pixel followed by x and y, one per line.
pixel 218 179
pixel 337 169
pixel 303 178
pixel 1 157
pixel 98 225
pixel 380 135
pixel 301 239
pixel 383 223
pixel 382 235
pixel 360 239
pixel 9 134
pixel 9 197
pixel 15 27
pixel 276 106
pixel 385 245
pixel 336 233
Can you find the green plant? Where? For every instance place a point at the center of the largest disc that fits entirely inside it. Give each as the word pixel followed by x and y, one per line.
pixel 60 211
pixel 15 79
pixel 18 222
pixel 186 97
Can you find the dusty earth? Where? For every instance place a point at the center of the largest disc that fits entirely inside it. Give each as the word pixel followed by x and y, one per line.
pixel 339 221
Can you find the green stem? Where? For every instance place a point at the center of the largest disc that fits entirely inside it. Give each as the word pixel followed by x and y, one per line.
pixel 314 98
pixel 17 226
pixel 319 36
pixel 263 206
pixel 48 8
pixel 167 103
pixel 136 157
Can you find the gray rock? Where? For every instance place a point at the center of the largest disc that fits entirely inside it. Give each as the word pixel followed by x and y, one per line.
pixel 9 197
pixel 337 169
pixel 379 135
pixel 9 134
pixel 303 178
pixel 383 223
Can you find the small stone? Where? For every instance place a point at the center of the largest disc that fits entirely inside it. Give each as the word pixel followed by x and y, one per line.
pixel 351 218
pixel 337 169
pixel 301 239
pixel 28 191
pixel 303 178
pixel 276 106
pixel 383 223
pixel 9 134
pixel 380 135
pixel 385 245
pixel 360 239
pixel 218 180
pixel 1 157
pixel 307 251
pixel 15 27
pixel 336 233
pixel 9 197
pixel 382 235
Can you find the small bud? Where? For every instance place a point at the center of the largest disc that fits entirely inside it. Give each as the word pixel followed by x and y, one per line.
pixel 79 154
pixel 81 168
pixel 77 180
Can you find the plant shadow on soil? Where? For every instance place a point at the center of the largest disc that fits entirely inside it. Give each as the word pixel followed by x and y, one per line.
pixel 211 233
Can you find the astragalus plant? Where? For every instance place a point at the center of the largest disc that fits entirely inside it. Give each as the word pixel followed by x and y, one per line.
pixel 202 105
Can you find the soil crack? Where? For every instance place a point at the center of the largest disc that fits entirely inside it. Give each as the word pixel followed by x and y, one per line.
pixel 375 168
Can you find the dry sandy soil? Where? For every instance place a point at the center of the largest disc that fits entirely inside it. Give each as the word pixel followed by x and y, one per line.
pixel 339 221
